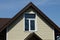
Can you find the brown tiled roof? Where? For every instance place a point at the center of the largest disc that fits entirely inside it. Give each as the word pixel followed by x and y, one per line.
pixel 3 21
pixel 37 10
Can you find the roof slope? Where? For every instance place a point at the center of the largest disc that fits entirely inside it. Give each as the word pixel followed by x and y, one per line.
pixel 26 8
pixel 3 21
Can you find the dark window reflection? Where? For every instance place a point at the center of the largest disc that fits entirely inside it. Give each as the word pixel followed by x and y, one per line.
pixel 32 23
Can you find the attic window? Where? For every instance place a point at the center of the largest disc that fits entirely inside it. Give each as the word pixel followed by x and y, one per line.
pixel 30 22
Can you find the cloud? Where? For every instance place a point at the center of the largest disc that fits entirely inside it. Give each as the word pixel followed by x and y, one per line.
pixel 53 2
pixel 41 2
pixel 47 2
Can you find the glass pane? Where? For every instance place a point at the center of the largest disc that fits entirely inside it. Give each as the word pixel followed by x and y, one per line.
pixel 32 24
pixel 29 15
pixel 58 37
pixel 26 25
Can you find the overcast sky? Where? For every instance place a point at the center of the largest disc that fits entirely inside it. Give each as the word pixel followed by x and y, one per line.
pixel 9 8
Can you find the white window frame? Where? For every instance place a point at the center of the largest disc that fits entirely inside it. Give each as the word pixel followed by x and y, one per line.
pixel 7 33
pixel 29 23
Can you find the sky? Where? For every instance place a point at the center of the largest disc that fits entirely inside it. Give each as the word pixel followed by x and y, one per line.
pixel 51 8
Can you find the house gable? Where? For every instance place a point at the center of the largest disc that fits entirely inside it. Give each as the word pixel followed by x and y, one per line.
pixel 26 8
pixel 16 28
pixel 44 24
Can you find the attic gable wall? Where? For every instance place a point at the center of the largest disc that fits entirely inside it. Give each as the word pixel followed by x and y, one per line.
pixel 16 30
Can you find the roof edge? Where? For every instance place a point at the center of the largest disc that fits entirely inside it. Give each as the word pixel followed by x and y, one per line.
pixel 23 10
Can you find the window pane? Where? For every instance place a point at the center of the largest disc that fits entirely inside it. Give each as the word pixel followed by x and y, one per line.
pixel 26 25
pixel 58 37
pixel 29 15
pixel 32 24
